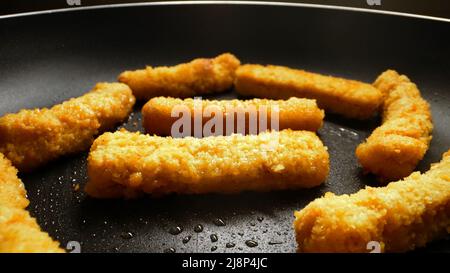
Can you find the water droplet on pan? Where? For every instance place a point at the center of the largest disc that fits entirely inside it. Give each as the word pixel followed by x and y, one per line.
pixel 175 230
pixel 213 248
pixel 275 243
pixel 170 250
pixel 186 239
pixel 251 243
pixel 198 228
pixel 230 245
pixel 127 235
pixel 219 222
pixel 214 238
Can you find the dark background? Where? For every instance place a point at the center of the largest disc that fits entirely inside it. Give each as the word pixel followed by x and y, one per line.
pixel 438 8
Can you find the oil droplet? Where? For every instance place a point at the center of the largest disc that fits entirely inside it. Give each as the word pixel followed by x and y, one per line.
pixel 260 218
pixel 170 250
pixel 186 239
pixel 275 243
pixel 240 233
pixel 198 228
pixel 251 243
pixel 127 235
pixel 214 238
pixel 349 133
pixel 252 224
pixel 230 245
pixel 213 248
pixel 219 222
pixel 175 230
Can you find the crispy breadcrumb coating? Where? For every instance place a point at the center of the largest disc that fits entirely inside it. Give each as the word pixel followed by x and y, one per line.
pixel 198 77
pixel 12 190
pixel 31 138
pixel 402 216
pixel 19 233
pixel 124 164
pixel 395 148
pixel 350 98
pixel 294 113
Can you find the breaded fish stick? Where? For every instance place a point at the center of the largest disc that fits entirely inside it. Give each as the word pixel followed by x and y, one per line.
pixel 395 148
pixel 349 98
pixel 12 190
pixel 20 233
pixel 198 77
pixel 401 216
pixel 295 113
pixel 31 138
pixel 124 164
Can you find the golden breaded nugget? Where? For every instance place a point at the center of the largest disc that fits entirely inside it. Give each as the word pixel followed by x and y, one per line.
pixel 349 98
pixel 294 113
pixel 198 77
pixel 395 148
pixel 401 216
pixel 31 138
pixel 12 190
pixel 20 233
pixel 124 164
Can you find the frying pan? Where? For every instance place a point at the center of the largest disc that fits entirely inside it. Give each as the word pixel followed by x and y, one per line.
pixel 49 57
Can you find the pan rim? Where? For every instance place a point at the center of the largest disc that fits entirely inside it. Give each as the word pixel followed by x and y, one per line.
pixel 221 2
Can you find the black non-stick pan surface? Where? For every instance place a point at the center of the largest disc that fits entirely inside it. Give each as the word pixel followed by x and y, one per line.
pixel 48 58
